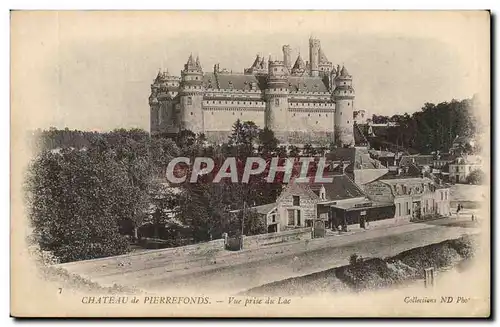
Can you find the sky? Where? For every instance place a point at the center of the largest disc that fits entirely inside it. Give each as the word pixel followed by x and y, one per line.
pixel 92 70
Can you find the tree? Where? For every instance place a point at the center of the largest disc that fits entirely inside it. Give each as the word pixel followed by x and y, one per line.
pixel 253 223
pixel 244 135
pixel 293 151
pixel 268 142
pixel 476 177
pixel 309 150
pixel 162 200
pixel 76 199
pixel 162 152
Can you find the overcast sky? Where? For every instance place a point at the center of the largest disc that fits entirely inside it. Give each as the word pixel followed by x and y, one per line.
pixel 93 70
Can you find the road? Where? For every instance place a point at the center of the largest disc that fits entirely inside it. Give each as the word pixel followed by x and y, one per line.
pixel 240 271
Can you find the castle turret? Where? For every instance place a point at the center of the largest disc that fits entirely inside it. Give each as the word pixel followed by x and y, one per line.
pixel 276 115
pixel 163 90
pixel 314 46
pixel 344 100
pixel 191 96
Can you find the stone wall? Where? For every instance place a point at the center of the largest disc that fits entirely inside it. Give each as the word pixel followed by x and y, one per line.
pixel 256 241
pixel 143 258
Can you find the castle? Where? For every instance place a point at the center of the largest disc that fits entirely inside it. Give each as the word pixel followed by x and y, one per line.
pixel 309 102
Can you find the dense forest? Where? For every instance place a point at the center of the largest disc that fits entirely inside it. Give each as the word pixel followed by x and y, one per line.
pixel 433 128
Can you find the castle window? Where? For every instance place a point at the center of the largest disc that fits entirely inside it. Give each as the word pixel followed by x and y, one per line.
pixel 308 115
pixel 275 69
pixel 320 115
pixel 348 122
pixel 326 115
pixel 238 102
pixel 233 113
pixel 219 102
pixel 277 101
pixel 191 113
pixel 212 113
pixel 189 101
pixel 348 104
pixel 241 114
pixel 316 122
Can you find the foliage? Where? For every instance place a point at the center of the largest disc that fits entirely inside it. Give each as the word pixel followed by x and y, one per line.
pixel 293 151
pixel 476 177
pixel 242 139
pixel 268 142
pixel 433 128
pixel 309 150
pixel 253 223
pixel 76 199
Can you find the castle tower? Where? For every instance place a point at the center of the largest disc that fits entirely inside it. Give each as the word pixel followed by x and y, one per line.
pixel 161 101
pixel 344 101
pixel 154 104
pixel 314 46
pixel 287 57
pixel 276 94
pixel 191 96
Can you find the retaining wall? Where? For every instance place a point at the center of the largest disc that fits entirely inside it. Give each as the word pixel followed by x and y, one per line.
pixel 257 241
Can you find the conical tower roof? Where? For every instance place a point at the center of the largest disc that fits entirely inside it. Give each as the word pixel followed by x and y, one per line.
pixel 322 56
pixel 190 61
pixel 344 72
pixel 299 63
pixel 257 61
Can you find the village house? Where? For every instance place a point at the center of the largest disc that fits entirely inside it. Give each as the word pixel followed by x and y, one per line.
pixel 413 197
pixel 343 203
pixel 322 205
pixel 461 168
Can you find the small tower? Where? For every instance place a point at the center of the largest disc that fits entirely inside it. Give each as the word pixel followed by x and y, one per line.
pixel 314 46
pixel 344 100
pixel 276 115
pixel 191 96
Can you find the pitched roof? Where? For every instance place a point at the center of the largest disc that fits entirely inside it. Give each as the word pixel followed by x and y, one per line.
pixel 265 208
pixel 322 57
pixel 234 81
pixel 359 136
pixel 419 160
pixel 344 72
pixel 408 180
pixel 342 187
pixel 360 158
pixel 299 63
pixel 307 84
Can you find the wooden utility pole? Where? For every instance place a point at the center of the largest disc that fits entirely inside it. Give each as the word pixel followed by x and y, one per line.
pixel 242 224
pixel 429 277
